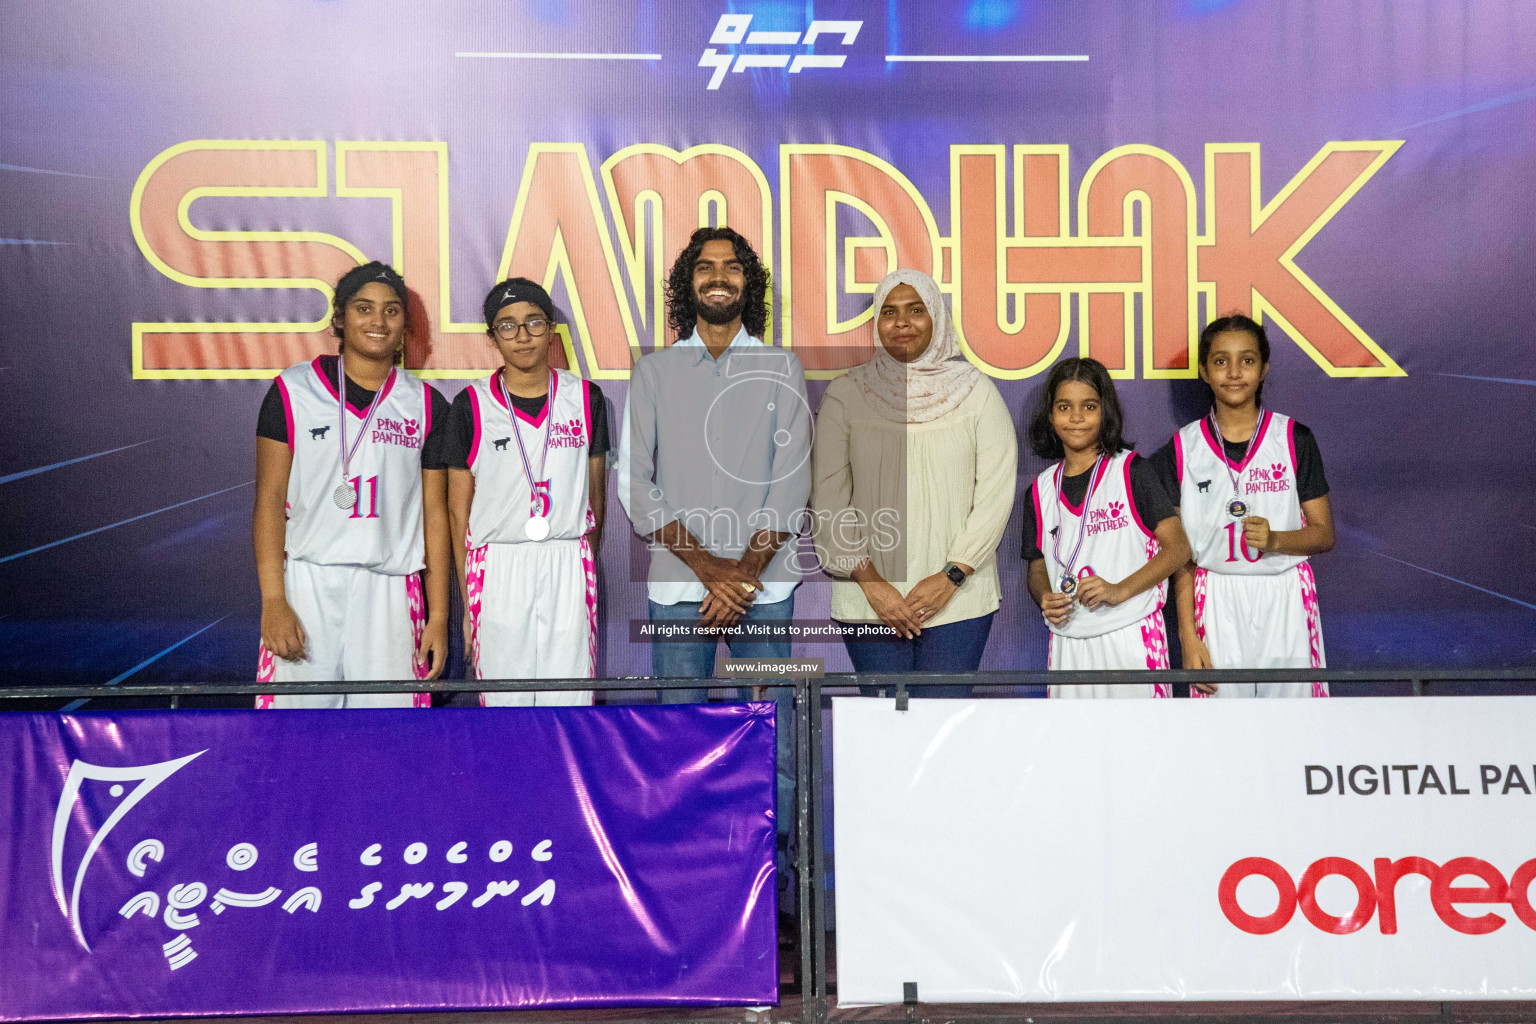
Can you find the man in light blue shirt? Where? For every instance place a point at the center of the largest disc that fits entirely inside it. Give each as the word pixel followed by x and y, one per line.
pixel 714 460
pixel 714 471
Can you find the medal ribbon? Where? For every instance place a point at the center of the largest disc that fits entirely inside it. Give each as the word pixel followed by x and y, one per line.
pixel 549 412
pixel 1082 522
pixel 341 406
pixel 1221 447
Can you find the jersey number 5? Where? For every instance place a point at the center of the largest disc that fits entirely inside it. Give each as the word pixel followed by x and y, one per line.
pixel 1235 541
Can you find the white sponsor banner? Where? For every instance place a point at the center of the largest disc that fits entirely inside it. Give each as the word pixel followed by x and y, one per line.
pixel 1033 850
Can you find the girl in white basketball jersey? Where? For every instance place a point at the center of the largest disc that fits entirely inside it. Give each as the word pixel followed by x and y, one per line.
pixel 1254 502
pixel 351 518
pixel 1100 535
pixel 528 472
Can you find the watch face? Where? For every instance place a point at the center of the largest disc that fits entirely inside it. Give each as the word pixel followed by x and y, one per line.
pixel 956 575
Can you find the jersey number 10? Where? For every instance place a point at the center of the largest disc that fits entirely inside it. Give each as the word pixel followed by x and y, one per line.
pixel 1235 541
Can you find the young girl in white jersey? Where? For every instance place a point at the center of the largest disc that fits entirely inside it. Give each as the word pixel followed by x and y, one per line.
pixel 351 520
pixel 1254 501
pixel 527 453
pixel 1100 535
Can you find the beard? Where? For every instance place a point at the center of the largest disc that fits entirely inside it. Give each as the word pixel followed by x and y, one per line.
pixel 719 315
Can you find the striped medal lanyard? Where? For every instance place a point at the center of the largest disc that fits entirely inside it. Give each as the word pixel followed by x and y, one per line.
pixel 1237 508
pixel 1068 580
pixel 537 527
pixel 345 494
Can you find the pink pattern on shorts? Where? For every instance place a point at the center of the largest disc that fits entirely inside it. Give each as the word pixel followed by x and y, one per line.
pixel 1154 638
pixel 474 586
pixel 1199 618
pixel 1314 622
pixel 266 672
pixel 417 599
pixel 589 570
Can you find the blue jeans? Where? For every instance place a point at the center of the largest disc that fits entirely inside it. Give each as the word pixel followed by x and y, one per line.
pixel 954 648
pixel 696 660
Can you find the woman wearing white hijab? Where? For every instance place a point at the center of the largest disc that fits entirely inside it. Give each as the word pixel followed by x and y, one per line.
pixel 913 481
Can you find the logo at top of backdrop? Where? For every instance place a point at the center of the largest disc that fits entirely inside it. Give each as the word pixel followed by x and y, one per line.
pixel 731 30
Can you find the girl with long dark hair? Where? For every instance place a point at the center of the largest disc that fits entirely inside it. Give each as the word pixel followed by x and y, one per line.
pixel 1100 535
pixel 1254 500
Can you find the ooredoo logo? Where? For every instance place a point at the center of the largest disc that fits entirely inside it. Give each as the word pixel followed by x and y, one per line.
pixel 1376 894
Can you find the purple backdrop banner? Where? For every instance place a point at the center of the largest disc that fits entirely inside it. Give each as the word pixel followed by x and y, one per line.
pixel 183 186
pixel 205 863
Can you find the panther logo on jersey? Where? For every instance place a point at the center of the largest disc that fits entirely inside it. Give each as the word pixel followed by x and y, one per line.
pixel 1268 480
pixel 1103 520
pixel 401 432
pixel 567 434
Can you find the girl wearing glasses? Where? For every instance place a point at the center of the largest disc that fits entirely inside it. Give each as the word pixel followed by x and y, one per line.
pixel 526 491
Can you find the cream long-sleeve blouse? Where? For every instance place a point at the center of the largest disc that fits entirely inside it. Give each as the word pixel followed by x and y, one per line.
pixel 912 496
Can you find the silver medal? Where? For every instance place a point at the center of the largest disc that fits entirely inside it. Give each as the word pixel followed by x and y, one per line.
pixel 344 496
pixel 1237 508
pixel 536 528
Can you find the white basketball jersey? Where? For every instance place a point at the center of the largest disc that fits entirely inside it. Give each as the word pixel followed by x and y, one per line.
pixel 382 529
pixel 503 504
pixel 1266 483
pixel 1115 544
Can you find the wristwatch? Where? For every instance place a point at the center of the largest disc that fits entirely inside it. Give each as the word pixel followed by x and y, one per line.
pixel 955 573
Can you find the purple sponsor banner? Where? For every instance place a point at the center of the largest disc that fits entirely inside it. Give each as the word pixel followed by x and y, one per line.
pixel 205 863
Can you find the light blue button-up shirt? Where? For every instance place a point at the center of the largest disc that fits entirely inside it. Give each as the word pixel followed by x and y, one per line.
pixel 724 446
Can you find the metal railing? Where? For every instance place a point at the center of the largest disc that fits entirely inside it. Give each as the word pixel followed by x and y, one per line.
pixel 810 774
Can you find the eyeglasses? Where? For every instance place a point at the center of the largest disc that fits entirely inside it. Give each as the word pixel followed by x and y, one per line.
pixel 507 330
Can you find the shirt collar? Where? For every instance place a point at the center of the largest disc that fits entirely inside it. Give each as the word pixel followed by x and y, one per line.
pixel 742 340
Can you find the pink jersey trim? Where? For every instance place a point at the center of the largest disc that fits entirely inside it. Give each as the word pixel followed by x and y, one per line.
pixel 282 389
pixel 474 443
pixel 426 414
pixel 532 421
pixel 475 415
pixel 586 409
pixel 1253 445
pixel 1290 441
pixel 1130 499
pixel 325 381
pixel 389 384
pixel 1178 456
pixel 1077 510
pixel 1034 493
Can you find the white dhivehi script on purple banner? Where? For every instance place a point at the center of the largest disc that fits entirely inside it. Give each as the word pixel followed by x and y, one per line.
pixel 205 863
